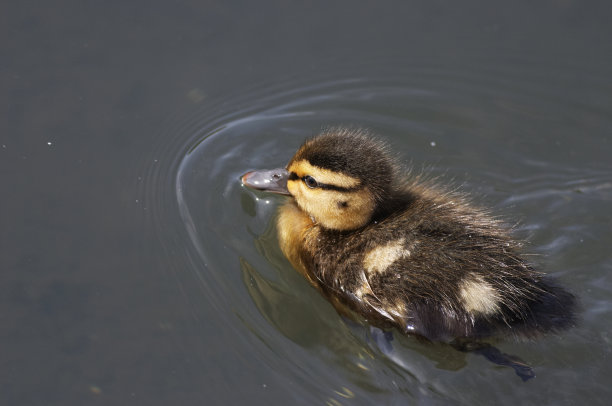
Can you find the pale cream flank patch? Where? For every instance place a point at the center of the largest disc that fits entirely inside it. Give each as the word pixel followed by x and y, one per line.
pixel 479 296
pixel 380 258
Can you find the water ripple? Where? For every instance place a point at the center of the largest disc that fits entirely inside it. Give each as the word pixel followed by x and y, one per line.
pixel 479 120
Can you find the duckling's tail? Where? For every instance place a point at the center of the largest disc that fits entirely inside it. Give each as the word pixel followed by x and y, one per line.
pixel 553 309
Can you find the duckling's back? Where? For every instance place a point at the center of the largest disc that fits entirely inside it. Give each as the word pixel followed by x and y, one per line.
pixel 437 269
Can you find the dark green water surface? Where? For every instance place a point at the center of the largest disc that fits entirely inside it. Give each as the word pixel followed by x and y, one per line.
pixel 137 270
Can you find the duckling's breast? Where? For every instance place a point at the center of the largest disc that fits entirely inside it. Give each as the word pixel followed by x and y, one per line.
pixel 297 237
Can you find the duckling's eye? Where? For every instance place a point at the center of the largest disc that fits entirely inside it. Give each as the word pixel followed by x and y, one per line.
pixel 310 181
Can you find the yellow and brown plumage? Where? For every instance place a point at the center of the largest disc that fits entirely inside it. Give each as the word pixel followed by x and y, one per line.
pixel 402 253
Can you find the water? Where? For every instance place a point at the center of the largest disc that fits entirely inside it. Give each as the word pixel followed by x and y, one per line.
pixel 138 269
pixel 230 228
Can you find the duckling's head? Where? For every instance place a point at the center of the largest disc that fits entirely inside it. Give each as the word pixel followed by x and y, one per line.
pixel 338 178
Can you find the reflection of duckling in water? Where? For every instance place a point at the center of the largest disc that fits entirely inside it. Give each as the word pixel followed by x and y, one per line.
pixel 402 254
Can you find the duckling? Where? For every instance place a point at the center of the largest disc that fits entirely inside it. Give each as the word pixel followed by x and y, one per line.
pixel 401 252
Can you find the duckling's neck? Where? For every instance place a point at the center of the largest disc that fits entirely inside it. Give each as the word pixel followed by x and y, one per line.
pixel 396 201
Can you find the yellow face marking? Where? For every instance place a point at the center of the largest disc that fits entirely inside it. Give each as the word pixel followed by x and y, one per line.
pixel 378 259
pixel 478 296
pixel 333 209
pixel 303 168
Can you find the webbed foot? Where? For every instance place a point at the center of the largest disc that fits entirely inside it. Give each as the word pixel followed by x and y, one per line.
pixel 493 354
pixel 521 368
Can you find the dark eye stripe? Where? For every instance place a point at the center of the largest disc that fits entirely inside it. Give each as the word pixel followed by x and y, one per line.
pixel 324 186
pixel 338 188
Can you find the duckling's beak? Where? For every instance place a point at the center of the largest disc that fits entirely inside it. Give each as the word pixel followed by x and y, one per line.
pixel 272 180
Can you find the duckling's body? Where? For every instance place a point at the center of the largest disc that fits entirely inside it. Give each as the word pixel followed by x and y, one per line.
pixel 402 253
